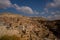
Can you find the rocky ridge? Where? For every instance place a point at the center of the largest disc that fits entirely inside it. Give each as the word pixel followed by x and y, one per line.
pixel 27 28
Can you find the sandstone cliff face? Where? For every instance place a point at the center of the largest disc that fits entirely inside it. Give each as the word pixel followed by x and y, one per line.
pixel 26 28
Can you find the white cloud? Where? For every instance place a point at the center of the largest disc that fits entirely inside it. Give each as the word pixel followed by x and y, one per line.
pixel 36 12
pixel 46 10
pixel 56 3
pixel 24 9
pixel 55 17
pixel 5 3
pixel 53 13
pixel 42 12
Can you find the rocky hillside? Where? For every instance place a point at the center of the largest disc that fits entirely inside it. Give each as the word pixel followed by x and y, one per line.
pixel 28 28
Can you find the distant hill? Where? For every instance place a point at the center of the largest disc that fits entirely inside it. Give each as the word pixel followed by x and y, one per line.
pixel 29 28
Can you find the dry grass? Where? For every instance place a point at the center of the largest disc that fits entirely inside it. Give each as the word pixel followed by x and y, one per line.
pixel 7 37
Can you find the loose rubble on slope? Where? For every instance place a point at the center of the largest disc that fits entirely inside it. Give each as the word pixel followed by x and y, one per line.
pixel 25 27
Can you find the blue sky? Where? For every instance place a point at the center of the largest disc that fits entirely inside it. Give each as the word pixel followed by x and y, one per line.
pixel 45 8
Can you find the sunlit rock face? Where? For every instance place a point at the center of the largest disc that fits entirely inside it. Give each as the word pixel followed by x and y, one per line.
pixel 26 28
